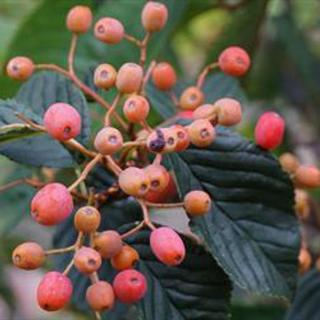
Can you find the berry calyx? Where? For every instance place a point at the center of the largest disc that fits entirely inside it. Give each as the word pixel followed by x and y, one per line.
pixel 87 260
pixel 108 243
pixel 269 130
pixel 87 219
pixel 167 246
pixel 129 78
pixel 154 16
pixel 54 291
pixel 136 109
pixel 130 286
pixel 105 76
pixel 191 98
pixel 228 111
pixel 100 296
pixel 289 162
pixel 183 140
pixel 52 204
pixel 28 256
pixel 164 76
pixel 158 176
pixel 234 61
pixel 108 141
pixel 197 203
pixel 79 19
pixel 62 121
pixel 20 68
pixel 125 259
pixel 156 141
pixel 109 30
pixel 307 177
pixel 201 133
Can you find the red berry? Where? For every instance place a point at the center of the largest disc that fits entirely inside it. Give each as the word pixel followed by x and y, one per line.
pixel 87 219
pixel 108 243
pixel 229 111
pixel 201 133
pixel 164 76
pixel 87 260
pixel 28 256
pixel 269 130
pixel 79 19
pixel 54 291
pixel 234 61
pixel 307 177
pixel 191 98
pixel 183 141
pixel 105 76
pixel 187 114
pixel 109 30
pixel 134 182
pixel 100 296
pixel 108 141
pixel 159 177
pixel 52 204
pixel 130 286
pixel 136 108
pixel 167 246
pixel 154 16
pixel 125 259
pixel 129 78
pixel 197 203
pixel 20 68
pixel 62 121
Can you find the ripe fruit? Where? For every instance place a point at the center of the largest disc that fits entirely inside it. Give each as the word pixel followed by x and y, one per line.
pixel 109 30
pixel 108 243
pixel 289 162
pixel 307 177
pixel 305 260
pixel 302 206
pixel 154 16
pixel 54 291
pixel 170 138
pixel 201 133
pixel 234 61
pixel 87 219
pixel 164 76
pixel 20 68
pixel 105 76
pixel 130 286
pixel 269 130
pixel 197 203
pixel 159 177
pixel 205 111
pixel 188 114
pixel 129 78
pixel 79 19
pixel 229 111
pixel 183 141
pixel 51 204
pixel 134 182
pixel 87 260
pixel 136 108
pixel 100 296
pixel 28 256
pixel 167 246
pixel 62 121
pixel 191 98
pixel 108 141
pixel 125 259
pixel 156 141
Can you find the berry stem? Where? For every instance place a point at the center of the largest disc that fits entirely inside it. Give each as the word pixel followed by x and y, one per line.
pixel 145 126
pixel 71 54
pixel 174 98
pixel 157 159
pixel 133 230
pixel 68 268
pixel 133 40
pixel 74 144
pixel 147 76
pixel 53 67
pixel 112 109
pixel 112 165
pixel 61 250
pixel 146 216
pixel 204 73
pixel 143 48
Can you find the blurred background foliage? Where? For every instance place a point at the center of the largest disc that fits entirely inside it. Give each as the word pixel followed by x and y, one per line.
pixel 283 38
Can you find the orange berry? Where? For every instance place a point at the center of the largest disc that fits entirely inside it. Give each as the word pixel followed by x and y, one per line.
pixel 197 203
pixel 170 138
pixel 289 162
pixel 134 182
pixel 108 141
pixel 307 176
pixel 100 296
pixel 20 68
pixel 159 177
pixel 125 259
pixel 183 140
pixel 305 260
pixel 87 219
pixel 28 256
pixel 87 260
pixel 109 30
pixel 191 98
pixel 105 76
pixel 129 78
pixel 136 108
pixel 164 76
pixel 302 205
pixel 108 243
pixel 201 133
pixel 154 16
pixel 229 111
pixel 79 19
pixel 205 111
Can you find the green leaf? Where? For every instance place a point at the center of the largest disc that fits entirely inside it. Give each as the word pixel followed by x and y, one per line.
pixel 257 312
pixel 251 230
pixel 16 131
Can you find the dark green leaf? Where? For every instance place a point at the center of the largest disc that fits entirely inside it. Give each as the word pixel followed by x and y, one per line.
pixel 257 312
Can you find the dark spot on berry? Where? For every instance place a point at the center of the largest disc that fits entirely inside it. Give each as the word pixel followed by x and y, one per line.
pixel 204 133
pixel 239 60
pixel 88 211
pixel 104 74
pixel 15 68
pixel 178 257
pixel 134 280
pixel 100 29
pixel 113 139
pixel 131 104
pixel 17 258
pixel 193 97
pixel 170 141
pixel 155 183
pixel 143 187
pixel 181 135
pixel 46 306
pixel 67 130
pixel 92 262
pixel 157 145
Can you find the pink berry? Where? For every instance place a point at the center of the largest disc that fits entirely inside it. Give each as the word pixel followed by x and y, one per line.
pixel 229 111
pixel 62 121
pixel 54 291
pixel 109 30
pixel 130 286
pixel 269 130
pixel 51 204
pixel 167 246
pixel 154 16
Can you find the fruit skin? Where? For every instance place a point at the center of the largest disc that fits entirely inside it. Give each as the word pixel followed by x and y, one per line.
pixel 187 114
pixel 289 162
pixel 108 243
pixel 305 260
pixel 170 138
pixel 134 182
pixel 108 141
pixel 191 98
pixel 307 176
pixel 164 76
pixel 205 111
pixel 167 246
pixel 229 111
pixel 62 121
pixel 87 219
pixel 87 260
pixel 125 259
pixel 52 204
pixel 159 177
pixel 28 256
pixel 197 203
pixel 105 76
pixel 154 16
pixel 79 19
pixel 136 108
pixel 129 78
pixel 234 61
pixel 109 30
pixel 100 296
pixel 182 134
pixel 130 286
pixel 269 130
pixel 201 133
pixel 54 291
pixel 20 68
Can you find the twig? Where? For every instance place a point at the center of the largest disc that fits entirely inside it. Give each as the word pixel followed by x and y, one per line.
pixel 112 109
pixel 112 165
pixel 146 217
pixel 143 49
pixel 133 231
pixel 205 72
pixel 133 40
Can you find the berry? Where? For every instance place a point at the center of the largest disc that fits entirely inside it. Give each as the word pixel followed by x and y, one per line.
pixel 108 141
pixel 28 256
pixel 79 19
pixel 87 219
pixel 229 111
pixel 305 260
pixel 269 130
pixel 205 111
pixel 155 141
pixel 307 177
pixel 54 291
pixel 164 76
pixel 105 76
pixel 109 30
pixel 20 68
pixel 183 140
pixel 197 203
pixel 136 108
pixel 154 16
pixel 87 260
pixel 134 182
pixel 234 61
pixel 302 206
pixel 52 204
pixel 170 138
pixel 130 286
pixel 159 177
pixel 129 78
pixel 187 114
pixel 100 296
pixel 191 98
pixel 289 162
pixel 108 243
pixel 62 121
pixel 167 246
pixel 201 133
pixel 125 259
